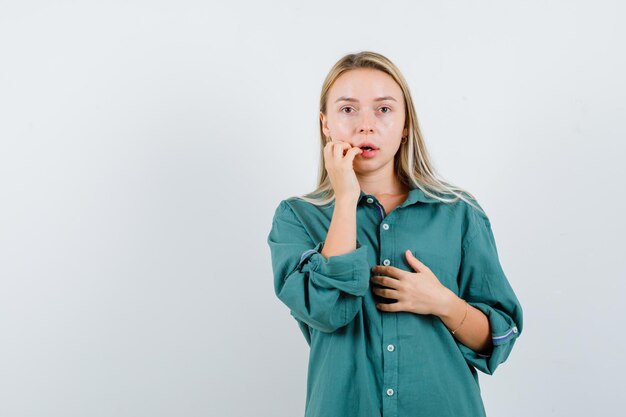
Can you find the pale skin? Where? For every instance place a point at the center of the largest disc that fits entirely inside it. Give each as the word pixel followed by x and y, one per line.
pixel 368 105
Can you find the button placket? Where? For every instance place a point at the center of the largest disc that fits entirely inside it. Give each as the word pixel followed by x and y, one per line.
pixel 389 325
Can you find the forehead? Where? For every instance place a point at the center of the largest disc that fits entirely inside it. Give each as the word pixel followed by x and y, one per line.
pixel 365 84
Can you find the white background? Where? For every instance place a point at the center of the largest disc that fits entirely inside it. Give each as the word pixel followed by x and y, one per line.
pixel 144 147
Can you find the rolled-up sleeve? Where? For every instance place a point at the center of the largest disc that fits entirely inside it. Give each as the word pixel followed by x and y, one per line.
pixel 484 285
pixel 323 293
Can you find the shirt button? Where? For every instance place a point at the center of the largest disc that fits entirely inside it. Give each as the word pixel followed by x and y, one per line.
pixel 385 226
pixel 515 329
pixel 389 392
pixel 386 262
pixel 390 348
pixel 370 200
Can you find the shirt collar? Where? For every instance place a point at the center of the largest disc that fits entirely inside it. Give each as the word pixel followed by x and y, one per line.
pixel 415 195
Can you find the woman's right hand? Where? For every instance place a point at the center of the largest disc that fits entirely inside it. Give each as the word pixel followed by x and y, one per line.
pixel 338 159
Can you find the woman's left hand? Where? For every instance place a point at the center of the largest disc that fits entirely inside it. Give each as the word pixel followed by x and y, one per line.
pixel 418 292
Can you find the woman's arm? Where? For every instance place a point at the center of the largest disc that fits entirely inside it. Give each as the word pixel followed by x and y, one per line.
pixel 323 293
pixel 484 285
pixel 475 332
pixel 341 237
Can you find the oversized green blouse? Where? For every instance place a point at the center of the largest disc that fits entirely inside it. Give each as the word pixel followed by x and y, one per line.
pixel 367 363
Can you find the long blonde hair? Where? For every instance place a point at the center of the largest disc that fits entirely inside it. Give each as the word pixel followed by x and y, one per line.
pixel 411 163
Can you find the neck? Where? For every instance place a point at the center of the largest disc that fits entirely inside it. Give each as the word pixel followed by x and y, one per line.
pixel 379 185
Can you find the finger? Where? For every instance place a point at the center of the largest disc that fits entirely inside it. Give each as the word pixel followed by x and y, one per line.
pixel 386 293
pixel 390 307
pixel 385 281
pixel 415 263
pixel 352 153
pixel 338 149
pixel 327 151
pixel 390 271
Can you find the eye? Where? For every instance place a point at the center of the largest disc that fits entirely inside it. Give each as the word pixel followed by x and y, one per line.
pixel 345 108
pixel 385 107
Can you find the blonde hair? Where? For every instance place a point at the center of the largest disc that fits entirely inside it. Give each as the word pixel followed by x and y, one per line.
pixel 412 162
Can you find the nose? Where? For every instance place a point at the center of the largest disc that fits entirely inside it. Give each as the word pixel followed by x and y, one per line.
pixel 367 125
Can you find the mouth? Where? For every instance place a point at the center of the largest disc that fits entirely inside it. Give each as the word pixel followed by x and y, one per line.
pixel 369 151
pixel 368 147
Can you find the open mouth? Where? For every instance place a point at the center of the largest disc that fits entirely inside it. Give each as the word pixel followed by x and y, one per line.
pixel 368 152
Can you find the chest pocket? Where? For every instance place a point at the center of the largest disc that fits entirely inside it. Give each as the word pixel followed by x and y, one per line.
pixel 444 267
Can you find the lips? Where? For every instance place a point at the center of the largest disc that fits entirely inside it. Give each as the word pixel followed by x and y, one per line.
pixel 368 146
pixel 368 153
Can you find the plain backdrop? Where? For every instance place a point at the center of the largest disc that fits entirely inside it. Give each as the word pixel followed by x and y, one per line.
pixel 144 147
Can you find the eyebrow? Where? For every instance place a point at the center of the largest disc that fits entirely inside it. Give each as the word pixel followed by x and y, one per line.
pixel 355 100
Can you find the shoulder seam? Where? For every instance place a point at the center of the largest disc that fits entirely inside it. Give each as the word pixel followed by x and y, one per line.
pixel 483 223
pixel 287 207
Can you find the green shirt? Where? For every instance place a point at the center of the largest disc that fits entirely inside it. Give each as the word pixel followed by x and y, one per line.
pixel 364 362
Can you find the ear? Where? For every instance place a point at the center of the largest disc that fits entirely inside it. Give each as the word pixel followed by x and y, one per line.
pixel 405 132
pixel 324 124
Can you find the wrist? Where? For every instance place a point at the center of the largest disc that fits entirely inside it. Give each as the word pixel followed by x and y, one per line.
pixel 449 305
pixel 346 202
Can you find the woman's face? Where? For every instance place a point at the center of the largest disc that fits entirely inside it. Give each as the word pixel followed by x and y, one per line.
pixel 366 105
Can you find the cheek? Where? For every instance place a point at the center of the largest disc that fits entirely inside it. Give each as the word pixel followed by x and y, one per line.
pixel 341 129
pixel 393 125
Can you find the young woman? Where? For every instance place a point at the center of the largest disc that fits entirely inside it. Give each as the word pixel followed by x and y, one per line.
pixel 391 273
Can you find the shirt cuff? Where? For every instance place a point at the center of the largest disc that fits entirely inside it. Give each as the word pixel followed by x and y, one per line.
pixel 503 334
pixel 349 272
